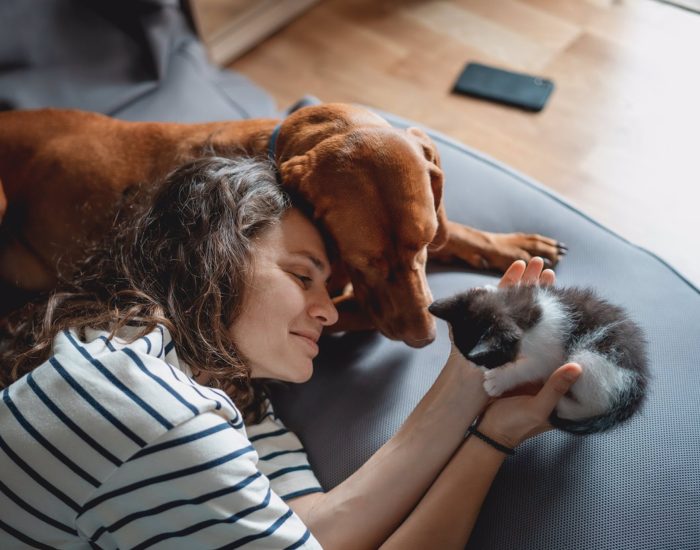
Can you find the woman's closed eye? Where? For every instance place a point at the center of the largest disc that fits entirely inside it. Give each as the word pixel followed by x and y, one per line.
pixel 305 280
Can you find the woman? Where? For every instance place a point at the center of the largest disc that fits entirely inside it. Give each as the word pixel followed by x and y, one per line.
pixel 115 430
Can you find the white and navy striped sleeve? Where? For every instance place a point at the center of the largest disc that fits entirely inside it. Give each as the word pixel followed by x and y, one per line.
pixel 196 487
pixel 282 457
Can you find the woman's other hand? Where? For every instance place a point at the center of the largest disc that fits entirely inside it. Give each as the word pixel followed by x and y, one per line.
pixel 512 420
pixel 530 273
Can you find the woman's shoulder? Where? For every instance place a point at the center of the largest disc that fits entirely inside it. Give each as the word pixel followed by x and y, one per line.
pixel 94 344
pixel 124 359
pixel 134 387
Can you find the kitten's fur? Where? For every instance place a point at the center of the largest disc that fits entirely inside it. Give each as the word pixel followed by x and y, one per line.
pixel 524 333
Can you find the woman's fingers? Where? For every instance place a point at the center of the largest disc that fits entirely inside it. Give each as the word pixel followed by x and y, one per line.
pixel 556 387
pixel 530 273
pixel 547 278
pixel 533 271
pixel 513 274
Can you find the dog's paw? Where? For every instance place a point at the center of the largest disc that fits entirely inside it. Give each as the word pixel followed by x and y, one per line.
pixel 493 383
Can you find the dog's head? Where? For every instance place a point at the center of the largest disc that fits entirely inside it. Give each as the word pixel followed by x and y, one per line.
pixel 378 193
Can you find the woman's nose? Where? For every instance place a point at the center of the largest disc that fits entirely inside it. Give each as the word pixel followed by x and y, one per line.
pixel 323 309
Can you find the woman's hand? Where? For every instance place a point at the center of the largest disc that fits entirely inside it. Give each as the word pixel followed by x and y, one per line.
pixel 512 420
pixel 532 273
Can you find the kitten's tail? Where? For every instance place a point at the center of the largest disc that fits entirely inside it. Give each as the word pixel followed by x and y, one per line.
pixel 629 402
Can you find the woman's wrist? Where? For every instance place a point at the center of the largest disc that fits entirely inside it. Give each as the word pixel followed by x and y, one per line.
pixel 484 448
pixel 475 432
pixel 458 361
pixel 468 377
pixel 491 428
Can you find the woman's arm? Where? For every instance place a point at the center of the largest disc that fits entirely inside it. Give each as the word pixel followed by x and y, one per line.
pixel 367 507
pixel 445 516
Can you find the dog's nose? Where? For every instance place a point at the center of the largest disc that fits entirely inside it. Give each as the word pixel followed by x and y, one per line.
pixel 419 343
pixel 418 337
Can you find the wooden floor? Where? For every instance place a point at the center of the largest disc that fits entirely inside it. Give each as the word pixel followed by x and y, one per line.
pixel 619 137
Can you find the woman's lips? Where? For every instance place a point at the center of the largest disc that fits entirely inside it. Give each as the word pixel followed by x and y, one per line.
pixel 310 342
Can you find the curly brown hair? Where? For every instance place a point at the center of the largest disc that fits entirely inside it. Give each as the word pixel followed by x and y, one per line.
pixel 179 255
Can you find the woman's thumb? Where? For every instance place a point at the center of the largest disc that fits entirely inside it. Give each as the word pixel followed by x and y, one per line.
pixel 558 384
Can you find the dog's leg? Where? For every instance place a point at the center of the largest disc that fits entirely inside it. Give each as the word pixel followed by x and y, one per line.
pixel 484 250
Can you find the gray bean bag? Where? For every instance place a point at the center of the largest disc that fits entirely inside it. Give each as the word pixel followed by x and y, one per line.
pixel 636 487
pixel 133 59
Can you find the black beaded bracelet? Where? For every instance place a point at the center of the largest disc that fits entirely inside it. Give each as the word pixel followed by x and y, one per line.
pixel 494 444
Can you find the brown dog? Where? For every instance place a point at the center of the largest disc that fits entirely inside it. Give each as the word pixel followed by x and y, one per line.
pixel 376 190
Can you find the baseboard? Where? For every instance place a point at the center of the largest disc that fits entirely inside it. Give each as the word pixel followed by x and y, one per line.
pixel 249 27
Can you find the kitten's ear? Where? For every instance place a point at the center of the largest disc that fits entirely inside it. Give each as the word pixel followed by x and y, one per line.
pixel 452 308
pixel 446 308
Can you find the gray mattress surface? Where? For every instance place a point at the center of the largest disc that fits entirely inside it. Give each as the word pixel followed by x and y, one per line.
pixel 635 487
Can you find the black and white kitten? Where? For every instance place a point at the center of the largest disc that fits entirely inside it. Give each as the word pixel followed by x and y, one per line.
pixel 523 334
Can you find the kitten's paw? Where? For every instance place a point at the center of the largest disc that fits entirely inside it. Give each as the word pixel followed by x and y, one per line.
pixel 493 383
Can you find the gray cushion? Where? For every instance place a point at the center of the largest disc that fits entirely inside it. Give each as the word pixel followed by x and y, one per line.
pixel 133 59
pixel 636 487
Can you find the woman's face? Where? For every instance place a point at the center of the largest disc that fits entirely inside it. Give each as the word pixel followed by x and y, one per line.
pixel 287 304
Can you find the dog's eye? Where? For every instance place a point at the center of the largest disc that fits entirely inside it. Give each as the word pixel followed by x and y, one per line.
pixel 380 264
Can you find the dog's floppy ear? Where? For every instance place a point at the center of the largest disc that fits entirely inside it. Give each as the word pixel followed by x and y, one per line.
pixel 296 174
pixel 293 172
pixel 430 153
pixel 3 202
pixel 311 174
pixel 440 238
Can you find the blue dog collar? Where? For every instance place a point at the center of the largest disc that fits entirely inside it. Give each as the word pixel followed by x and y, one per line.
pixel 272 144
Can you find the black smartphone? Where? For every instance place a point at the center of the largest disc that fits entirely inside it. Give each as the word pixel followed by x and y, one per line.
pixel 517 89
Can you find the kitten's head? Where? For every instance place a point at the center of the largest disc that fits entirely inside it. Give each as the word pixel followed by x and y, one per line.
pixel 483 328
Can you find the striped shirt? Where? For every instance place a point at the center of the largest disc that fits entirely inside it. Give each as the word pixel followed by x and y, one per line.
pixel 113 445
